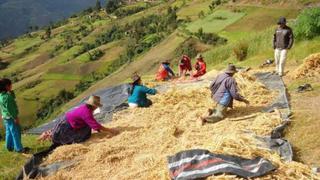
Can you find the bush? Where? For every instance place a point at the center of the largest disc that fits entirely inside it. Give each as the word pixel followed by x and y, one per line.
pixel 48 107
pixel 3 65
pixel 308 24
pixel 112 5
pixel 241 50
pixel 210 38
pixel 122 12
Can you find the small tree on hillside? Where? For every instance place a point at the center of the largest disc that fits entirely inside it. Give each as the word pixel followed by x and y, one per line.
pixel 48 32
pixel 98 5
pixel 112 5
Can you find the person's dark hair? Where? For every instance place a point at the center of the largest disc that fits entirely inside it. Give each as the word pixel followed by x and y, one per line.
pixel 90 106
pixel 4 83
pixel 134 84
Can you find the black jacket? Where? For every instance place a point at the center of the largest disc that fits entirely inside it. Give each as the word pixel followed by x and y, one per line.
pixel 283 38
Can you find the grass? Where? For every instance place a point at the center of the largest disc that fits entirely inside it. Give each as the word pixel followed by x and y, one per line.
pixel 193 8
pixel 212 23
pixel 260 18
pixel 11 162
pixel 23 43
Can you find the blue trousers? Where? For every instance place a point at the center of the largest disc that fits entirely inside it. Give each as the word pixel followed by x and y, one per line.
pixel 13 135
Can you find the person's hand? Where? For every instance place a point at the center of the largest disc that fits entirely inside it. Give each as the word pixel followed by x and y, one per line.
pixel 17 121
pixel 113 131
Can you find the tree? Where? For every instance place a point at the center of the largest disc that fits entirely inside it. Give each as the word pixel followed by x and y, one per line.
pixel 98 5
pixel 112 5
pixel 48 32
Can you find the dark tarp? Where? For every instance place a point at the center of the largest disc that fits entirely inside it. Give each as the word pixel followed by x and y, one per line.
pixel 275 82
pixel 199 163
pixel 113 99
pixel 275 141
pixel 279 145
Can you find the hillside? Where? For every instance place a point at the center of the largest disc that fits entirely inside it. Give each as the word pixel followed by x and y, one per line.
pixel 17 16
pixel 54 70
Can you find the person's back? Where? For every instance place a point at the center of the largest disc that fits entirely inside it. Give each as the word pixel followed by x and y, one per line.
pixel 164 72
pixel 223 91
pixel 139 95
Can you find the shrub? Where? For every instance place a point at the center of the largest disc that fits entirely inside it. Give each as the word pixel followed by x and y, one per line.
pixel 48 107
pixel 112 5
pixel 308 24
pixel 210 38
pixel 241 50
pixel 188 48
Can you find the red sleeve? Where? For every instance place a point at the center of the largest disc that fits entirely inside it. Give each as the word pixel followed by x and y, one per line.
pixel 203 67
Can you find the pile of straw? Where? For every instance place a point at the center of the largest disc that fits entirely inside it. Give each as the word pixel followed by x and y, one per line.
pixel 309 68
pixel 149 135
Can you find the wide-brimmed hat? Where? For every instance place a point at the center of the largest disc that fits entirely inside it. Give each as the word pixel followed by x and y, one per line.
pixel 199 56
pixel 282 20
pixel 231 69
pixel 94 101
pixel 135 77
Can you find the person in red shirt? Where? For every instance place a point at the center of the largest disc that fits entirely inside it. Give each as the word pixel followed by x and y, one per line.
pixel 184 66
pixel 164 72
pixel 200 66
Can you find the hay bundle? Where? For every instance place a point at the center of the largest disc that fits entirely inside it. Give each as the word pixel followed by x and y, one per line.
pixel 309 68
pixel 149 135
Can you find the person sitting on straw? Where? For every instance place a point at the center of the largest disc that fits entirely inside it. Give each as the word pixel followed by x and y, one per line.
pixel 224 89
pixel 76 125
pixel 200 66
pixel 165 72
pixel 184 66
pixel 138 93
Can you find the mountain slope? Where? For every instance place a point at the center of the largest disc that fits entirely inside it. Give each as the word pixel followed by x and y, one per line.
pixel 17 15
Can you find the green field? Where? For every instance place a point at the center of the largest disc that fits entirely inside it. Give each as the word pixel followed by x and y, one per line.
pixel 215 22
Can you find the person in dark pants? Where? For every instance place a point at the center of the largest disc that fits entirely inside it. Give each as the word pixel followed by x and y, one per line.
pixel 138 93
pixel 76 125
pixel 9 113
pixel 282 42
pixel 223 89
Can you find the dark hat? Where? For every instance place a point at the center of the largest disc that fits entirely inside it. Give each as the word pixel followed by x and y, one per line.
pixel 166 62
pixel 282 20
pixel 135 77
pixel 231 69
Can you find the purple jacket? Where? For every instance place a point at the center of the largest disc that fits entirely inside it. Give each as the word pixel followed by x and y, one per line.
pixel 223 83
pixel 82 116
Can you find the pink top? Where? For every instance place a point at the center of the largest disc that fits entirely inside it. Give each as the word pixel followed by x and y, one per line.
pixel 82 116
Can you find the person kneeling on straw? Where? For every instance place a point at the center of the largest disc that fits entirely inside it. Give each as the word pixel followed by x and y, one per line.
pixel 223 89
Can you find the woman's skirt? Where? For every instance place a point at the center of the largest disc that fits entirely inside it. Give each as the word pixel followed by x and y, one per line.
pixel 63 133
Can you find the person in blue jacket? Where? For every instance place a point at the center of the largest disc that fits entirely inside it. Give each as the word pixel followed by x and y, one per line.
pixel 138 93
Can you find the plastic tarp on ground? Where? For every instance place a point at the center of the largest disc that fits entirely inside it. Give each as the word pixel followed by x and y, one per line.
pixel 275 141
pixel 199 163
pixel 113 99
